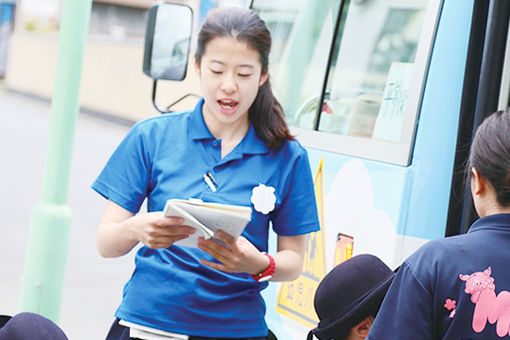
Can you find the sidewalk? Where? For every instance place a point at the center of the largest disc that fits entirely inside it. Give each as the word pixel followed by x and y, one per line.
pixel 93 286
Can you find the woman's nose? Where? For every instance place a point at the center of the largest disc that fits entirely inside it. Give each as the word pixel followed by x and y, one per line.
pixel 228 85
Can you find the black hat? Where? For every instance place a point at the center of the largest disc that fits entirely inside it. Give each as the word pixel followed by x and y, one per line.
pixel 24 326
pixel 349 293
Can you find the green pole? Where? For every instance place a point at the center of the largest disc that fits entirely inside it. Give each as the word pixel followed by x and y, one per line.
pixel 48 242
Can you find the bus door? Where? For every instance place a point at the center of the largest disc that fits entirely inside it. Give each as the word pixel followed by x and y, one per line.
pixel 486 89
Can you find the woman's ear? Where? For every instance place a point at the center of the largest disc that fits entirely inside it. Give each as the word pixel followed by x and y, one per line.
pixel 362 328
pixel 263 78
pixel 477 182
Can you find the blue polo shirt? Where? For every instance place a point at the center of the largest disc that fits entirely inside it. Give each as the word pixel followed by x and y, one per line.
pixel 456 288
pixel 166 157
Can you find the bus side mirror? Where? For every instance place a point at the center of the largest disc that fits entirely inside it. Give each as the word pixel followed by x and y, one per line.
pixel 167 41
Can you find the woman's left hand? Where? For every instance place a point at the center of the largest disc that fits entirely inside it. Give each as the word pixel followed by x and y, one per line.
pixel 239 255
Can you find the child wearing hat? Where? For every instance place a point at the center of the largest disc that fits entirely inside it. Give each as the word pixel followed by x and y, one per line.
pixel 29 326
pixel 348 298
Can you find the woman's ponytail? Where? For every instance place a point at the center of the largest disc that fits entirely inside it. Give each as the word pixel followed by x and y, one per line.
pixel 267 117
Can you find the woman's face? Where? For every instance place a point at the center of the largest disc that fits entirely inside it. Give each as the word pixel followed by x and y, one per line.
pixel 230 76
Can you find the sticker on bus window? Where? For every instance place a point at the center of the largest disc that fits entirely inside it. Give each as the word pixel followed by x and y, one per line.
pixel 343 249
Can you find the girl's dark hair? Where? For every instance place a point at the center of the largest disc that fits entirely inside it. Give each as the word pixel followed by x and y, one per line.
pixel 266 114
pixel 490 153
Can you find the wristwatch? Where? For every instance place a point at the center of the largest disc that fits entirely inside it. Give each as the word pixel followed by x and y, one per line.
pixel 268 273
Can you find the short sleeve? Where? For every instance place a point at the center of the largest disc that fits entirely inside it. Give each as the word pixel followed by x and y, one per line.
pixel 406 311
pixel 125 177
pixel 297 213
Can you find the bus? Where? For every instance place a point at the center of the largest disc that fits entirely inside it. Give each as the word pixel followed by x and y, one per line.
pixel 385 96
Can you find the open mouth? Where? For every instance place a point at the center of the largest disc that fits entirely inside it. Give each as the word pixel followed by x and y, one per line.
pixel 228 106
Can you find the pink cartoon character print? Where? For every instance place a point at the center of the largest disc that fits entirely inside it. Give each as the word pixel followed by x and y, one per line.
pixel 488 306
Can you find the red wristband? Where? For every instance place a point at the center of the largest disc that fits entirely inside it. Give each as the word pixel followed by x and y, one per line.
pixel 268 273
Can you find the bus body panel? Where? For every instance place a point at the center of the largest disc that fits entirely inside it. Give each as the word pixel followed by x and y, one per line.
pixel 391 210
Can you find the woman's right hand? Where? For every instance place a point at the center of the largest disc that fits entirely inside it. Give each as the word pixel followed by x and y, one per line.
pixel 120 230
pixel 158 231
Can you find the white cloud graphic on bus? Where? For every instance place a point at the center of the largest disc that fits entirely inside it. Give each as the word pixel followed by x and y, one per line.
pixel 350 210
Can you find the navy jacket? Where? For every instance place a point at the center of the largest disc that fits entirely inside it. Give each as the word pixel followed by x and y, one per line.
pixel 456 288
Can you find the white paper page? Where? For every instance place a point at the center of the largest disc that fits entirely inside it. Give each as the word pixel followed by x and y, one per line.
pixel 172 209
pixel 219 219
pixel 390 118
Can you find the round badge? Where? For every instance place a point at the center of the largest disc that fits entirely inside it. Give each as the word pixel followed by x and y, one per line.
pixel 263 198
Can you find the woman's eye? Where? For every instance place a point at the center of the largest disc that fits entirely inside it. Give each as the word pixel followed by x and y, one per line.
pixel 242 75
pixel 216 72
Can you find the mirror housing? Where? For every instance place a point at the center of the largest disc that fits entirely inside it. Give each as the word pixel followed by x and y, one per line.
pixel 167 41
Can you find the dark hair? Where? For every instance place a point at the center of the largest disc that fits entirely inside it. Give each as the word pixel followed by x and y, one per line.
pixel 490 153
pixel 266 113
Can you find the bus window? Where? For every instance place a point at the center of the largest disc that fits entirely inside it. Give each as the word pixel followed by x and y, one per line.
pixel 302 31
pixel 371 74
pixel 360 94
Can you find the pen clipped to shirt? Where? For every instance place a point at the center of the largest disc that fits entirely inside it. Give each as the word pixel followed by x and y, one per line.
pixel 210 181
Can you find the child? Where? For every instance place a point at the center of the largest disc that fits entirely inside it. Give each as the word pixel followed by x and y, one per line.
pixel 237 139
pixel 349 297
pixel 28 326
pixel 459 287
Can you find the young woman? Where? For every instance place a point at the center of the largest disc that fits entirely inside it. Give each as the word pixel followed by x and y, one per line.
pixel 459 287
pixel 237 137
